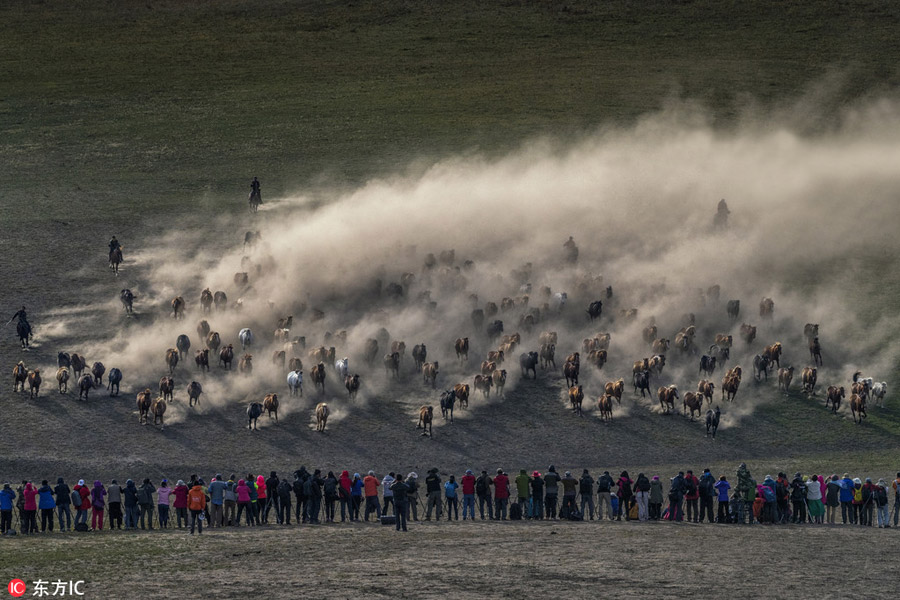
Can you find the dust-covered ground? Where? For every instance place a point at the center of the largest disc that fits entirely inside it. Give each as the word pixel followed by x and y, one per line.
pixel 487 559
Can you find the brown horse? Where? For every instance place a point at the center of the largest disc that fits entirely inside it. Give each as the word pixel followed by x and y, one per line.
pixel 143 405
pixel 98 370
pixel 319 354
pixel 317 374
pixel 62 379
pixel 321 416
pixel 85 385
pixel 203 329
pixel 833 397
pixel 462 394
pixel 706 389
pixel 115 259
pixel 808 377
pixel 462 349
pixel 430 372
pixel 576 397
pixel 488 367
pixel 604 403
pixel 615 389
pixel 548 355
pixel 158 409
pixel 167 388
pixel 498 380
pixel 202 359
pixel 295 364
pixel 730 385
pixel 392 364
pixel 270 404
pixel 667 396
pixel 178 307
pixel 79 363
pixel 399 347
pixel 694 402
pixel 194 389
pixel 426 419
pixel 570 370
pixel 483 383
pixel 34 383
pixel 206 300
pixel 495 356
pixel 858 407
pixel 815 351
pixel 226 356
pixel 213 341
pixel 351 382
pixel 245 366
pixel 278 359
pixel 171 359
pixel 785 376
pixel 773 353
pixel 20 376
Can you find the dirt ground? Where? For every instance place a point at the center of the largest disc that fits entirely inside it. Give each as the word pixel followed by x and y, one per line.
pixel 490 559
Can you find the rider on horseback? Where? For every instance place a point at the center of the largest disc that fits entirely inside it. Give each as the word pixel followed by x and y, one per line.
pixel 254 190
pixel 114 245
pixel 21 315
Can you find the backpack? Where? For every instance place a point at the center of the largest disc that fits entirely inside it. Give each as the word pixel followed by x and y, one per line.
pixel 81 527
pixel 690 488
pixel 707 486
pixel 515 512
pixel 76 499
pixel 643 485
pixel 633 512
pixel 195 498
pixel 768 494
pixel 575 515
pixel 481 486
pixel 881 497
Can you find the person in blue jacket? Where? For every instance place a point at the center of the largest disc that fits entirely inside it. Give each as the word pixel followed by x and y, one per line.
pixel 47 506
pixel 722 486
pixel 848 514
pixel 356 494
pixel 7 498
pixel 131 505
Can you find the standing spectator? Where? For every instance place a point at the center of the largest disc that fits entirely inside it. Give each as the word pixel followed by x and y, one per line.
pixel 604 491
pixel 300 477
pixel 881 504
pixel 356 492
pixel 783 494
pixel 130 499
pixel 145 502
pixel 345 485
pixel 537 496
pixel 896 486
pixel 798 493
pixel 254 497
pixel 722 486
pixel 216 504
pixel 98 503
pixel 586 489
pixel 656 498
pixel 483 490
pixel 433 491
pixel 230 501
pixel 857 502
pixel 262 498
pixel 313 490
pixel 523 492
pixel 707 489
pixel 243 503
pixel 412 495
pixel 400 493
pixel 452 501
pixel 642 493
pixel 7 500
pixel 691 497
pixel 468 490
pixel 63 502
pixel 570 489
pixel 371 484
pixel 746 502
pixel 284 502
pixel 330 488
pixel 162 503
pixel 501 494
pixel 869 490
pixel 197 504
pixel 848 512
pixel 676 494
pixel 30 508
pixel 387 493
pixel 82 507
pixel 626 498
pixel 181 503
pixel 551 484
pixel 46 506
pixel 814 499
pixel 832 499
pixel 271 494
pixel 114 504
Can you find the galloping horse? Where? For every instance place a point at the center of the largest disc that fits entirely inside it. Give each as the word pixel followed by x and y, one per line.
pixel 115 259
pixel 23 330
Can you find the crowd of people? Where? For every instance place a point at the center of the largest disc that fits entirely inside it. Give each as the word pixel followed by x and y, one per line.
pixel 315 497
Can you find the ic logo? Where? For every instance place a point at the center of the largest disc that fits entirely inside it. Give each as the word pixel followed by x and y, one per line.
pixel 16 588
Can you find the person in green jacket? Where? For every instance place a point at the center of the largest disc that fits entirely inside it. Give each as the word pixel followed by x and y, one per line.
pixel 656 498
pixel 523 491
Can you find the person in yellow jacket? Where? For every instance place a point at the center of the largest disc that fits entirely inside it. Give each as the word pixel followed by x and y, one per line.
pixel 197 504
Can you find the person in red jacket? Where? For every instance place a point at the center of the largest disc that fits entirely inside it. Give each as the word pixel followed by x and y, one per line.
pixel 197 504
pixel 181 502
pixel 81 515
pixel 501 494
pixel 468 490
pixel 344 488
pixel 30 494
pixel 692 497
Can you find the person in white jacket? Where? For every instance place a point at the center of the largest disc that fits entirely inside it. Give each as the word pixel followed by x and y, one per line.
pixel 388 494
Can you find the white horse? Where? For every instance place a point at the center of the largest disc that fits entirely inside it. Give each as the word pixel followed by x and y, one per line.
pixel 295 383
pixel 342 367
pixel 246 337
pixel 559 300
pixel 879 390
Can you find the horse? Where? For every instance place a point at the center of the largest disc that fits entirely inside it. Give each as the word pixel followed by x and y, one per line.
pixel 254 411
pixel 615 389
pixel 707 364
pixel 23 330
pixel 178 307
pixel 172 359
pixel 448 399
pixel 570 370
pixel 143 406
pixel 694 402
pixel 419 353
pixel 426 420
pixel 213 341
pixel 270 404
pixel 63 360
pixel 321 416
pixel 667 396
pixel 706 389
pixel 183 344
pixel 342 367
pixel 748 333
pixel 548 355
pixel 20 376
pixel 641 382
pixel 246 338
pixel 399 347
pixel 62 380
pixel 351 382
pixel 220 300
pixel 254 201
pixel 113 380
pixel 858 407
pixel 34 383
pixel 462 394
pixel 498 380
pixel 392 364
pixel 833 396
pixel 167 388
pixel 97 370
pixel 730 385
pixel 78 364
pixel 808 377
pixel 766 308
pixel 879 391
pixel 760 365
pixel 528 362
pixel 712 422
pixel 483 383
pixel 462 349
pixel 226 356
pixel 594 310
pixel 604 403
pixel 815 351
pixel 576 397
pixel 85 385
pixel 733 307
pixel 811 331
pixel 126 297
pixel 370 351
pixel 250 238
pixel 206 300
pixel 785 376
pixel 202 359
pixel 194 389
pixel 295 382
pixel 203 329
pixel 295 364
pixel 245 365
pixel 115 259
pixel 773 354
pixel 158 409
pixel 317 374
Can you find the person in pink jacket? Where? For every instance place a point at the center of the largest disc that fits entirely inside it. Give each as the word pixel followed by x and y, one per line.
pixel 243 502
pixel 30 494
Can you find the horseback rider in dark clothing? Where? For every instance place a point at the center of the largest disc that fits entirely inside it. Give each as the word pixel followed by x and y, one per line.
pixel 114 245
pixel 21 316
pixel 721 218
pixel 254 190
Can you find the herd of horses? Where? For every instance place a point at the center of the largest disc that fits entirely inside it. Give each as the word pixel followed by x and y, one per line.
pixel 492 376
